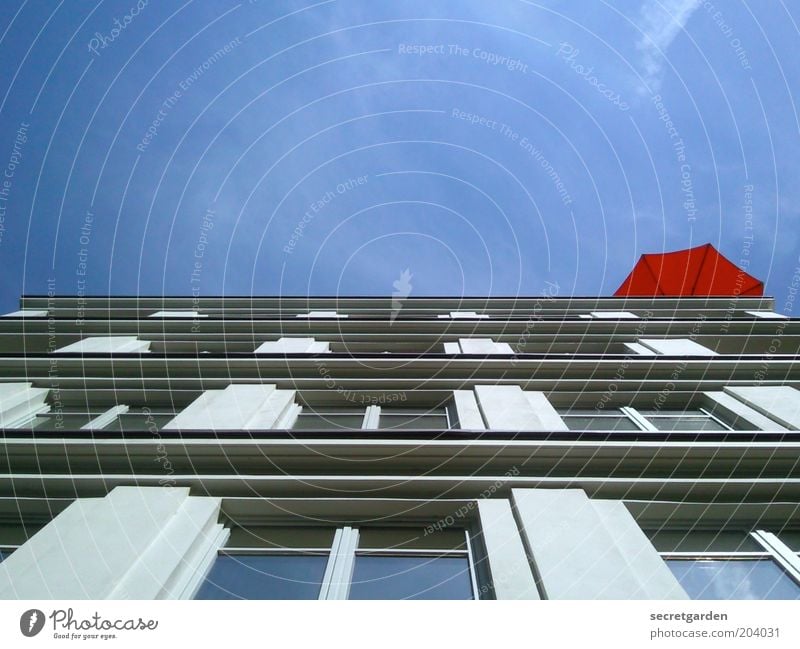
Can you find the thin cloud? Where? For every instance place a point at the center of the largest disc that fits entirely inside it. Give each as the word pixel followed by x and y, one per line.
pixel 660 21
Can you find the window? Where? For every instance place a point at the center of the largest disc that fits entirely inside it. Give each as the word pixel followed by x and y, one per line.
pixel 121 418
pixel 141 419
pixel 270 563
pixel 729 564
pixel 745 578
pixel 330 418
pixel 373 418
pixel 64 419
pixel 699 419
pixel 414 418
pixel 649 420
pixel 408 564
pixel 342 563
pixel 613 419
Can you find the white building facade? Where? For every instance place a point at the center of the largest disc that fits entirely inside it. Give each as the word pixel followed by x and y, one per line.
pixel 368 448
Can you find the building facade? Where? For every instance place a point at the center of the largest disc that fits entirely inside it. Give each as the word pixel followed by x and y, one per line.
pixel 335 448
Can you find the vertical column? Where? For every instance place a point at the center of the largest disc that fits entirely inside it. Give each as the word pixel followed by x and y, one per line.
pixel 135 543
pixel 512 577
pixel 586 549
pixel 780 403
pixel 507 407
pixel 107 345
pixel 239 407
pixel 19 402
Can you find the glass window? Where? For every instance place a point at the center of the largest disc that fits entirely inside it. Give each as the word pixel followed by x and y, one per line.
pixel 281 537
pixel 733 579
pixel 672 540
pixel 683 420
pixel 137 420
pixel 4 554
pixel 61 420
pixel 411 563
pixel 290 562
pixel 791 538
pixel 241 576
pixel 411 577
pixel 330 419
pixel 585 419
pixel 411 538
pixel 414 418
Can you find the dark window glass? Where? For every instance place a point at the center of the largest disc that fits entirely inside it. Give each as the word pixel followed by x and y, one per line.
pixel 600 423
pixel 297 576
pixel 281 537
pixel 140 422
pixel 734 579
pixel 63 421
pixel 398 577
pixel 3 554
pixel 791 538
pixel 685 423
pixel 329 421
pixel 671 540
pixel 410 538
pixel 428 421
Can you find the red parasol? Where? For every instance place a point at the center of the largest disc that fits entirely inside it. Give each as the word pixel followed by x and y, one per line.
pixel 695 271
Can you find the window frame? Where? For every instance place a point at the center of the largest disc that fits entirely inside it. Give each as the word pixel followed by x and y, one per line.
pixel 338 575
pixel 642 421
pixel 773 549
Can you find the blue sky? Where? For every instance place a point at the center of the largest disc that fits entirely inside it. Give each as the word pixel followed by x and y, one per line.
pixel 323 148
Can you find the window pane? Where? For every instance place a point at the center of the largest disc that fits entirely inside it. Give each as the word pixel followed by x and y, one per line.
pixel 703 541
pixel 791 538
pixel 600 423
pixel 264 577
pixel 319 421
pixel 138 423
pixel 277 537
pixel 691 412
pixel 3 554
pixel 731 579
pixel 413 422
pixel 378 577
pixel 385 538
pixel 685 423
pixel 52 422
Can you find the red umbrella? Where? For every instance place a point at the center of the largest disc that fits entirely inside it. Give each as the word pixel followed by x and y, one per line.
pixel 695 271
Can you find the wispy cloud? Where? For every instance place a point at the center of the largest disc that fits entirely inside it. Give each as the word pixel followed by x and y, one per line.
pixel 660 21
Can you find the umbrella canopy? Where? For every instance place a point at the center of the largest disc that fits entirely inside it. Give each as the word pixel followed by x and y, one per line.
pixel 694 271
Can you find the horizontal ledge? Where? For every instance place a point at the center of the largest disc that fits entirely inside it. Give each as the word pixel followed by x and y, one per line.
pixel 407 436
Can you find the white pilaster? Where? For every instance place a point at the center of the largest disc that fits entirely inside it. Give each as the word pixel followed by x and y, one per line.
pixel 467 410
pixel 292 346
pixel 511 574
pixel 483 346
pixel 735 408
pixel 507 407
pixel 178 314
pixel 237 407
pixel 677 347
pixel 585 549
pixel 107 345
pixel 19 402
pixel 780 403
pixel 135 543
